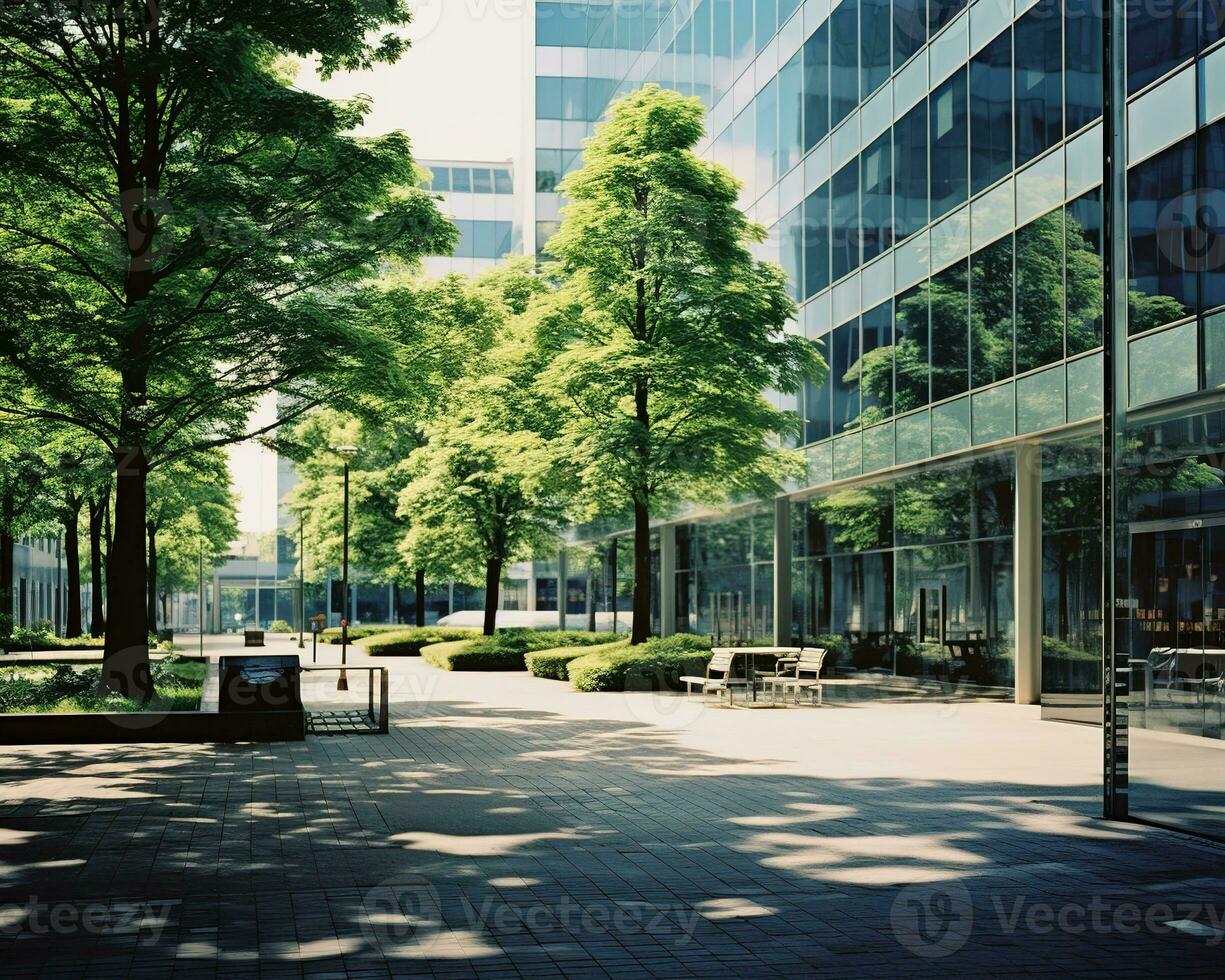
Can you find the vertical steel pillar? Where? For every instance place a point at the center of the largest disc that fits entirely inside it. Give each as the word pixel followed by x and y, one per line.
pixel 1027 574
pixel 562 575
pixel 667 580
pixel 1115 676
pixel 782 572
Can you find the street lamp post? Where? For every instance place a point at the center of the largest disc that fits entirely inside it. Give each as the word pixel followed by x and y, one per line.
pixel 348 452
pixel 201 598
pixel 301 582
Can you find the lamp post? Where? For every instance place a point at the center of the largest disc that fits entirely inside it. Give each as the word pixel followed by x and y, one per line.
pixel 301 582
pixel 347 452
pixel 200 601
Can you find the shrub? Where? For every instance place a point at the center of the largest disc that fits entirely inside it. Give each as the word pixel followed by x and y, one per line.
pixel 656 665
pixel 507 649
pixel 332 633
pixel 408 642
pixel 280 626
pixel 553 664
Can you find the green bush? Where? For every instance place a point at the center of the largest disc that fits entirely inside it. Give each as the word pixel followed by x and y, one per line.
pixel 656 665
pixel 280 626
pixel 55 688
pixel 553 664
pixel 508 649
pixel 332 633
pixel 407 642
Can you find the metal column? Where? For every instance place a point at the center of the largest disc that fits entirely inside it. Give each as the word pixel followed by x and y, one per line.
pixel 667 580
pixel 782 572
pixel 1027 574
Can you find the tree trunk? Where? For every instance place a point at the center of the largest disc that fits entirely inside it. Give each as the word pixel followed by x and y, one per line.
pixel 151 591
pixel 72 559
pixel 97 620
pixel 590 601
pixel 125 664
pixel 419 587
pixel 493 581
pixel 166 608
pixel 640 630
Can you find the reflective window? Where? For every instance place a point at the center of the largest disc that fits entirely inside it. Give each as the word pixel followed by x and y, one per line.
pixel 502 183
pixel 744 163
pixel 875 370
pixel 816 241
pixel 1083 63
pixel 1163 365
pixel 1214 351
pixel 1083 225
pixel 701 52
pixel 877 181
pixel 765 25
pixel 911 356
pixel 791 245
pixel 791 113
pixel 721 42
pixel 991 113
pixel 1161 203
pixel 1040 293
pixel 441 180
pixel 1210 214
pixel 1159 38
pixel 950 311
pixel 818 424
pixel 482 181
pixel 949 144
pixel 461 180
pixel 844 352
pixel 910 171
pixel 845 221
pixel 742 34
pixel 875 45
pixel 1039 80
pixel 844 60
pixel 548 97
pixel 940 12
pixel 767 135
pixel 991 313
pixel 816 86
pixel 909 29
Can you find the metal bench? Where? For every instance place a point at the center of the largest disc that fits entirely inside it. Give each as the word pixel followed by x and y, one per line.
pixel 721 663
pixel 810 661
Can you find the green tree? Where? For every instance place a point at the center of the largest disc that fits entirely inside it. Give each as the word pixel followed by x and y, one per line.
pixel 489 486
pixel 675 330
pixel 190 501
pixel 201 233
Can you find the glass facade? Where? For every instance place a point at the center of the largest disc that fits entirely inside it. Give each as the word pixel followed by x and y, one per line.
pixel 931 176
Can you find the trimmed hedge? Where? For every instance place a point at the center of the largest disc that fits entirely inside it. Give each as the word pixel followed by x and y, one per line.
pixel 52 644
pixel 507 649
pixel 409 642
pixel 553 664
pixel 332 633
pixel 656 665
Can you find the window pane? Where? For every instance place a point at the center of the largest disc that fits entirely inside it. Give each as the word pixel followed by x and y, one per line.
pixel 1210 216
pixel 876 364
pixel 844 348
pixel 1214 351
pixel 949 145
pixel 877 180
pixel 744 164
pixel 940 12
pixel 845 211
pixel 721 77
pixel 844 60
pixel 463 249
pixel 1159 37
pixel 461 180
pixel 950 311
pixel 1160 216
pixel 503 232
pixel 791 244
pixel 701 52
pixel 574 98
pixel 1039 80
pixel 502 183
pixel 1083 223
pixel 910 171
pixel 548 97
pixel 482 181
pixel 1083 63
pixel 911 356
pixel 767 135
pixel 816 241
pixel 816 87
pixel 683 73
pixel 991 113
pixel 765 27
pixel 1040 297
pixel 875 43
pixel 1164 365
pixel 816 402
pixel 742 35
pixel 442 179
pixel 909 29
pixel 991 313
pixel 791 113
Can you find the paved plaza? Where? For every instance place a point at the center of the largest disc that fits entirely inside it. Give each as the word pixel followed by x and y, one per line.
pixel 509 826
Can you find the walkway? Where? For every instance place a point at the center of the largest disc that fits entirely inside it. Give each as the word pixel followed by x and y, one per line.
pixel 511 827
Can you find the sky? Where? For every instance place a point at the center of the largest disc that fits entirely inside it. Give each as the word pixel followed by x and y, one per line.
pixel 457 93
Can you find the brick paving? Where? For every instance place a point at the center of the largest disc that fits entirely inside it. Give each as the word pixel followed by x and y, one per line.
pixel 508 827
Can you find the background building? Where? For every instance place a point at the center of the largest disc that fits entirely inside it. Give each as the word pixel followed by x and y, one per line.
pixel 931 173
pixel 479 198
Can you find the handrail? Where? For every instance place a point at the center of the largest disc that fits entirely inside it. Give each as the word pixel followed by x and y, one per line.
pixel 382 719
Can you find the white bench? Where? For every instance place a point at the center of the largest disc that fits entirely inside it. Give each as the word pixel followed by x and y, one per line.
pixel 720 663
pixel 810 661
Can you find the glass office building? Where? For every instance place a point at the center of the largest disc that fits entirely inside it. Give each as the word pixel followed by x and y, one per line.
pixel 931 174
pixel 479 199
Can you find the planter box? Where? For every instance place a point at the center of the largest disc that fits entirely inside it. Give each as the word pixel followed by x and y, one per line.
pixel 253 638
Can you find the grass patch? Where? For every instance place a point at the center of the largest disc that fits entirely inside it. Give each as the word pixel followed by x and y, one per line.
pixel 508 649
pixel 408 642
pixel 554 664
pixel 656 665
pixel 52 688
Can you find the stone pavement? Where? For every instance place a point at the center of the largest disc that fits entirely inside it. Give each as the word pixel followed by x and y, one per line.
pixel 511 827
